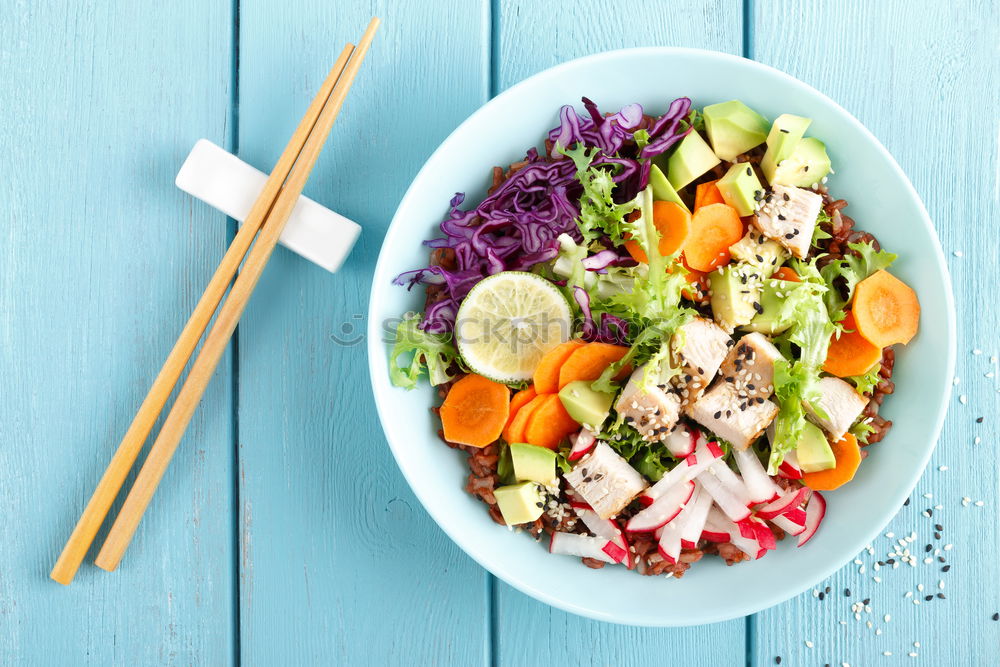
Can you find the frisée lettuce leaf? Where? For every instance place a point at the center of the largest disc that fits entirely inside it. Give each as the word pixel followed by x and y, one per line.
pixel 844 274
pixel 433 353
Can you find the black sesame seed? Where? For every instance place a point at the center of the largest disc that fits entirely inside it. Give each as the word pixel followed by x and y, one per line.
pixel 717 414
pixel 759 308
pixel 937 536
pixel 759 258
pixel 729 413
pixel 891 561
pixel 796 232
pixel 700 371
pixel 539 504
pixel 927 548
pixel 941 595
pixel 930 512
pixel 940 559
pixel 946 568
pixel 588 480
pixel 847 592
pixel 730 380
pixel 979 420
pixel 906 502
pixel 881 563
pixel 789 235
pixel 928 598
pixel 784 130
pixel 750 387
pixel 806 168
pixel 777 658
pixel 822 595
pixel 938 526
pixel 827 589
pixel 781 217
pixel 866 601
pixel 787 198
pixel 996 616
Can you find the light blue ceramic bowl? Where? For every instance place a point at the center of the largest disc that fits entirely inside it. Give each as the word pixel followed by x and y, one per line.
pixel 882 201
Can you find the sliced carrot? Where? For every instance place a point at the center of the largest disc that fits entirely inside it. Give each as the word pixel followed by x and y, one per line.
pixel 851 353
pixel 546 374
pixel 549 423
pixel 475 410
pixel 714 228
pixel 848 455
pixel 707 193
pixel 786 273
pixel 515 430
pixel 698 291
pixel 886 309
pixel 518 401
pixel 589 361
pixel 673 224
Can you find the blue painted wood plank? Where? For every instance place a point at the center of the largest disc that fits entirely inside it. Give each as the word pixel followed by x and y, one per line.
pixel 340 564
pixel 930 97
pixel 533 36
pixel 102 261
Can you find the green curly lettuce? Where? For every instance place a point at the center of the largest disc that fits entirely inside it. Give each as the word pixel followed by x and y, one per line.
pixel 600 215
pixel 865 384
pixel 433 353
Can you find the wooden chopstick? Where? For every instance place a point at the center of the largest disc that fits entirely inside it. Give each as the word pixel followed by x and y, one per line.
pixel 218 337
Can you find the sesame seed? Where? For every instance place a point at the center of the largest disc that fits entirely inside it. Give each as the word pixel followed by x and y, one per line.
pixel 809 644
pixel 957 253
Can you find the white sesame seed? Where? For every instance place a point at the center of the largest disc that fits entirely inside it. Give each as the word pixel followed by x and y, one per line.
pixel 877 580
pixel 857 561
pixel 963 399
pixel 887 653
pixel 920 587
pixel 943 468
pixel 941 585
pixel 977 440
pixel 957 253
pixel 809 644
pixel 916 601
pixel 979 503
pixel 878 631
pixel 956 381
pixel 939 507
pixel 928 561
pixel 977 351
pixel 815 593
pixel 909 594
pixel 948 547
pixel 887 618
pixel 912 654
pixel 916 644
pixel 928 495
pixel 890 535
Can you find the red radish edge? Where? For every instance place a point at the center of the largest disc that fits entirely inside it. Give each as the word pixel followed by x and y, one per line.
pixel 815 511
pixel 582 444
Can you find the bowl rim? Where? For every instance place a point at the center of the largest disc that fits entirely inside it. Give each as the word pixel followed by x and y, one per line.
pixel 885 515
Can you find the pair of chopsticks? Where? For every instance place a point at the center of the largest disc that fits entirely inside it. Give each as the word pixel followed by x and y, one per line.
pixel 264 224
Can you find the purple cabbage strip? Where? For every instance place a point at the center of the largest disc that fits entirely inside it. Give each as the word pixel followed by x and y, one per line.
pixel 612 329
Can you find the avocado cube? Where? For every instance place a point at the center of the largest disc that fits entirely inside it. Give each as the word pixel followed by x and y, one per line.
pixel 735 289
pixel 763 253
pixel 733 128
pixel 692 158
pixel 520 503
pixel 741 188
pixel 585 405
pixel 785 135
pixel 533 464
pixel 662 190
pixel 813 450
pixel 807 165
pixel 769 319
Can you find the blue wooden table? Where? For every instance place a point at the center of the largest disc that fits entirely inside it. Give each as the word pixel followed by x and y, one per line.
pixel 284 533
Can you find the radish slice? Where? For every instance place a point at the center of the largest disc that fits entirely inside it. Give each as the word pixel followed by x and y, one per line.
pixel 582 445
pixel 815 511
pixel 742 535
pixel 697 513
pixel 784 504
pixel 727 490
pixel 759 485
pixel 704 454
pixel 670 542
pixel 584 546
pixel 717 525
pixel 663 509
pixel 789 526
pixel 616 551
pixel 789 467
pixel 682 441
pixel 606 529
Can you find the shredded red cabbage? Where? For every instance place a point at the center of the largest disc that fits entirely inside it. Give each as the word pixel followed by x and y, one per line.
pixel 612 329
pixel 516 227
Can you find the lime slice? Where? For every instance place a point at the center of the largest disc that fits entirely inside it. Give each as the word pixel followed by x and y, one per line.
pixel 508 321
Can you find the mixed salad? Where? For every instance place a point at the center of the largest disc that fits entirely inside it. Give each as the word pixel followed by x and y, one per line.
pixel 659 337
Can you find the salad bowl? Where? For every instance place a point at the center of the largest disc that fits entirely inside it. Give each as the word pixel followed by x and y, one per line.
pixel 881 199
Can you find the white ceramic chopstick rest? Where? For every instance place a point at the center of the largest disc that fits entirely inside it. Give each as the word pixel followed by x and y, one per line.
pixel 227 183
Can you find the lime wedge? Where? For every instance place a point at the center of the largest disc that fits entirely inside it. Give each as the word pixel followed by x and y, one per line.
pixel 508 321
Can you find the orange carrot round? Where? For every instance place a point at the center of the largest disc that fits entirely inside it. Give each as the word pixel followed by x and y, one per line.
pixel 546 374
pixel 707 193
pixel 514 432
pixel 475 411
pixel 589 361
pixel 848 455
pixel 786 273
pixel 673 224
pixel 549 423
pixel 714 228
pixel 851 353
pixel 886 309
